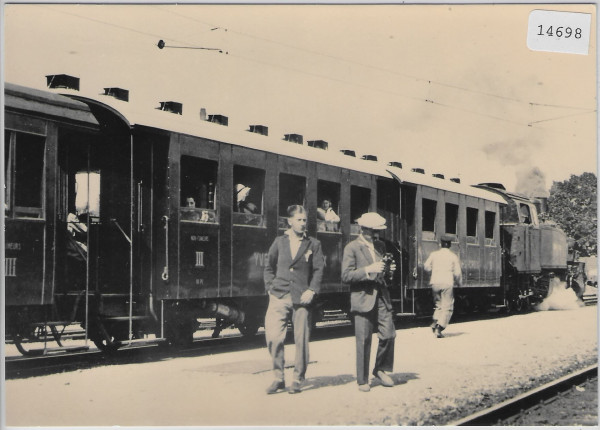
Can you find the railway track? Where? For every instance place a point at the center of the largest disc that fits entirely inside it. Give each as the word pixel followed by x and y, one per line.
pixel 512 409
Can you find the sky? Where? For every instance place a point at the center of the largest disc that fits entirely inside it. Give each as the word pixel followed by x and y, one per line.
pixel 453 89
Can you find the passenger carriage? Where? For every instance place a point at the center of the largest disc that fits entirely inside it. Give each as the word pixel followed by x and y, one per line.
pixel 165 240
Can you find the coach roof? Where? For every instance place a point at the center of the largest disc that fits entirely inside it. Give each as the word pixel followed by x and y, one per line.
pixel 194 126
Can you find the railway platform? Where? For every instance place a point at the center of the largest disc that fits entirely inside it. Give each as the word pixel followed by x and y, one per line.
pixel 477 364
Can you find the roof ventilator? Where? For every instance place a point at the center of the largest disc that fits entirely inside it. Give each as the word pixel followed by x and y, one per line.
pixel 457 180
pixel 118 93
pixel 295 138
pixel 320 144
pixel 219 119
pixel 369 157
pixel 173 107
pixel 395 164
pixel 348 152
pixel 259 129
pixel 419 170
pixel 438 175
pixel 62 81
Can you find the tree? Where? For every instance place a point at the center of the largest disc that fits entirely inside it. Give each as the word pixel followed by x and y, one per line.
pixel 573 205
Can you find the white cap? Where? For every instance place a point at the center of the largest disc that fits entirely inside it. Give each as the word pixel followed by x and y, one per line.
pixel 372 220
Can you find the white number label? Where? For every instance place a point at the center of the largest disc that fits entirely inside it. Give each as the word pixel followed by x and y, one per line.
pixel 554 31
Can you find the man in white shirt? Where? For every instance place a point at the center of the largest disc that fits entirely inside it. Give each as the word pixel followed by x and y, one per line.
pixel 444 266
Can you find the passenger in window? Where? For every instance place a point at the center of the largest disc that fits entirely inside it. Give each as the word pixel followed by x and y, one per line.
pixel 190 202
pixel 327 215
pixel 243 206
pixel 78 235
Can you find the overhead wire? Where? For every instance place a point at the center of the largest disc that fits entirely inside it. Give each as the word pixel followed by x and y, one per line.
pixel 212 27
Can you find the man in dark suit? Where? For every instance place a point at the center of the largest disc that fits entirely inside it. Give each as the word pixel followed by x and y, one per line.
pixel 370 302
pixel 292 277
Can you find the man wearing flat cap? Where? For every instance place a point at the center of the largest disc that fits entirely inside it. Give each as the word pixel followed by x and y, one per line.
pixel 444 266
pixel 370 302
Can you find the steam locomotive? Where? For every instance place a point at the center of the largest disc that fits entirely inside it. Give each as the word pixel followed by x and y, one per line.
pixel 127 220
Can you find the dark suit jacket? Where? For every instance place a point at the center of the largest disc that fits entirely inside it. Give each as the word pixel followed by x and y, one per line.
pixel 285 274
pixel 363 291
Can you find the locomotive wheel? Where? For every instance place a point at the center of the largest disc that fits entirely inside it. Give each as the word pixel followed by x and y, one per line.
pixel 249 327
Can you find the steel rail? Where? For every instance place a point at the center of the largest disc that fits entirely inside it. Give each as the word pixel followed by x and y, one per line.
pixel 527 400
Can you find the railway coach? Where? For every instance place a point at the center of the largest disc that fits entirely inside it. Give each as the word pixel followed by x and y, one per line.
pixel 129 220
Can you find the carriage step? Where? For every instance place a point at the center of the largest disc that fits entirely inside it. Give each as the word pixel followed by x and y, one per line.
pixel 52 323
pixel 44 351
pixel 125 318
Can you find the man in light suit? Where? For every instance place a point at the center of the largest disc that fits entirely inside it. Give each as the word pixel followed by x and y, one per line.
pixel 370 302
pixel 292 277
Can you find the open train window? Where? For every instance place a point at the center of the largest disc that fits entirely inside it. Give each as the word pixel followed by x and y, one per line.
pixel 428 217
pixel 87 193
pixel 472 216
pixel 490 224
pixel 451 218
pixel 360 202
pixel 328 200
pixel 198 189
pixel 525 213
pixel 292 191
pixel 24 174
pixel 248 191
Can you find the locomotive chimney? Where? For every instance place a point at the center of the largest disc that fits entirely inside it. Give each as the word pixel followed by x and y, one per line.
pixel 541 203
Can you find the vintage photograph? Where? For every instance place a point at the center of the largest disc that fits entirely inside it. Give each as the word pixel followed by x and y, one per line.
pixel 299 215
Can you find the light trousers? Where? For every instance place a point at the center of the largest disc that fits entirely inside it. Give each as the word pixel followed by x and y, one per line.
pixel 443 298
pixel 276 321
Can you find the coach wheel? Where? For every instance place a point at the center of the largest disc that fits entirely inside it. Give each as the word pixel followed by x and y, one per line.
pixel 522 304
pixel 249 327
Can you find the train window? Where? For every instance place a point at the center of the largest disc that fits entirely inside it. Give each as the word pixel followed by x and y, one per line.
pixel 429 212
pixel 472 216
pixel 490 224
pixel 451 218
pixel 525 213
pixel 292 191
pixel 360 202
pixel 87 193
pixel 198 189
pixel 248 191
pixel 328 198
pixel 24 173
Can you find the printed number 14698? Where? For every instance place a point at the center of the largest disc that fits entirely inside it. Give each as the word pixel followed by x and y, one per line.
pixel 565 32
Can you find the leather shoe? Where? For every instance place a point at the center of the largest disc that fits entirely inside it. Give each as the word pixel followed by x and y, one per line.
pixel 385 379
pixel 365 388
pixel 295 388
pixel 275 385
pixel 438 332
